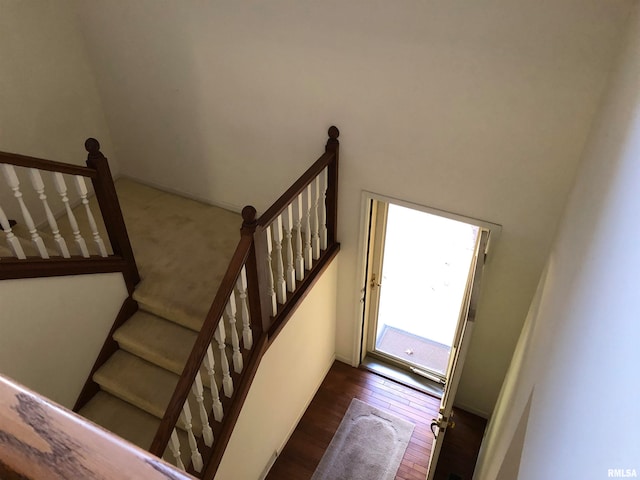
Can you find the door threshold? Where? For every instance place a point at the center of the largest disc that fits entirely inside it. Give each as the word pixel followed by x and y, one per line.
pixel 404 377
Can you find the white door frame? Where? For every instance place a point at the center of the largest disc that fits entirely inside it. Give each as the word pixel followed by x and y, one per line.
pixel 363 240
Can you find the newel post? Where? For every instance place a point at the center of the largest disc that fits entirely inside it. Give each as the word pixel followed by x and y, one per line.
pixel 111 213
pixel 333 146
pixel 255 268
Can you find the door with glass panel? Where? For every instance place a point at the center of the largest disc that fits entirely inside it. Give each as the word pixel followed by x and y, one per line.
pixel 417 279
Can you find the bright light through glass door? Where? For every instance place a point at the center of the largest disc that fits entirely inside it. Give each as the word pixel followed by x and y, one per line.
pixel 426 261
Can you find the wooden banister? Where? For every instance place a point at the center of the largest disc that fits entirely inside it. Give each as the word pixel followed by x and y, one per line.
pixel 98 170
pixel 292 192
pixel 48 165
pixel 253 254
pixel 40 439
pixel 107 198
pixel 204 339
pixel 34 267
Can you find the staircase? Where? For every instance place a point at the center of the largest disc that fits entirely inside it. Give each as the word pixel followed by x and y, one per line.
pixel 182 249
pixel 209 298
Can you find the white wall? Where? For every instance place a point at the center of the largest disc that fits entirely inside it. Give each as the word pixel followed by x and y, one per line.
pixel 51 330
pixel 288 376
pixel 49 98
pixel 479 108
pixel 579 352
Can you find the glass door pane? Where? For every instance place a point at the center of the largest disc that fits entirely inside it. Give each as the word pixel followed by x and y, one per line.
pixel 425 268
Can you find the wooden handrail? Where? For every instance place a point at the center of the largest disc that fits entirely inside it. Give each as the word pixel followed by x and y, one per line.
pixel 199 350
pixel 34 267
pixel 43 440
pixel 109 204
pixel 48 165
pixel 327 159
pixel 298 187
pixel 251 253
pixel 122 259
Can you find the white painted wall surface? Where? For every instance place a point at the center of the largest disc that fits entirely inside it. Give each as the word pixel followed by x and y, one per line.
pixel 579 350
pixel 479 108
pixel 288 376
pixel 48 95
pixel 52 329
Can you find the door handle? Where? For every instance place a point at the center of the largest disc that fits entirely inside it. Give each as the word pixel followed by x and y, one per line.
pixel 441 424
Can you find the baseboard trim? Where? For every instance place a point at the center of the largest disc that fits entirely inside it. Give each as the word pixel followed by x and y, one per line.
pixel 343 359
pixel 224 205
pixel 306 406
pixel 470 409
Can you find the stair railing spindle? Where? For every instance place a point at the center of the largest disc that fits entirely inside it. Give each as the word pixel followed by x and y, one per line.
pixel 297 225
pixel 61 187
pixel 12 241
pixel 315 227
pixel 14 183
pixel 323 208
pixel 287 226
pixel 230 312
pixel 174 446
pixel 209 364
pixel 38 186
pixel 306 226
pixel 227 381
pixel 271 286
pixel 198 393
pixel 281 285
pixel 83 192
pixel 241 286
pixel 196 457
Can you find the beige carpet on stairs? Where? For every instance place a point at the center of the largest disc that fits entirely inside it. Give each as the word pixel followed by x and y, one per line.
pixel 182 248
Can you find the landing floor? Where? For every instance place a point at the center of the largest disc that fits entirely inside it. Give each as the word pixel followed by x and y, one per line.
pixel 312 436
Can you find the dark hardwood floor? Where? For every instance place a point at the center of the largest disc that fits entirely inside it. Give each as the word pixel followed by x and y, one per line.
pixel 302 453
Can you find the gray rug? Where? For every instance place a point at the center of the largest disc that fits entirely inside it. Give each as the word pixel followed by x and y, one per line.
pixel 368 445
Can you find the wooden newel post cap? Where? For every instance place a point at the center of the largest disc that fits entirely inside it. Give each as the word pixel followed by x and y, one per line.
pixel 332 143
pixel 93 147
pixel 334 133
pixel 248 216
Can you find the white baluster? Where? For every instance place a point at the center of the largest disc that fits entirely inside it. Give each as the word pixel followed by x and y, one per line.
pixel 230 312
pixel 297 225
pixel 241 286
pixel 306 227
pixel 14 183
pixel 271 286
pixel 322 211
pixel 227 382
pixel 12 240
pixel 38 186
pixel 287 225
pixel 174 446
pixel 82 191
pixel 209 364
pixel 315 227
pixel 61 187
pixel 196 458
pixel 281 285
pixel 198 392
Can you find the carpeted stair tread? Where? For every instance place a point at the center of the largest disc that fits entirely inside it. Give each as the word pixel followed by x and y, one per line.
pixel 163 343
pixel 144 385
pixel 182 248
pixel 156 340
pixel 127 421
pixel 121 418
pixel 137 381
